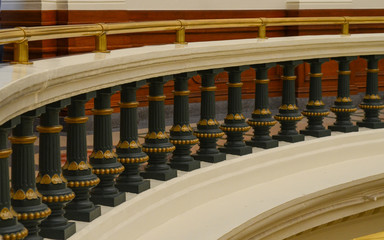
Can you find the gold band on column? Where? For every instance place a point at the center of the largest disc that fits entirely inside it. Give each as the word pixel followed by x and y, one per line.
pixel 181 93
pixel 208 89
pixel 289 78
pixel 23 140
pixel 76 120
pixel 156 98
pixel 107 111
pixel 315 74
pixel 53 129
pixel 235 84
pixel 344 72
pixel 128 104
pixel 373 70
pixel 5 153
pixel 262 81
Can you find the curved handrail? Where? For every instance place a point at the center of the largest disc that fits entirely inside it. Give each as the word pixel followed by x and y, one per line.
pixel 20 35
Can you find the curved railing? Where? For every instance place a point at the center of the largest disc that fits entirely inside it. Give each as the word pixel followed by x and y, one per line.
pixel 49 85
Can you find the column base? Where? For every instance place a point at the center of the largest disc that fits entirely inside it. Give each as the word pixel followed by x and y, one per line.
pixel 316 133
pixel 162 176
pixel 344 129
pixel 62 232
pixel 137 187
pixel 110 201
pixel 185 166
pixel 83 215
pixel 263 144
pixel 289 138
pixel 211 158
pixel 240 151
pixel 373 125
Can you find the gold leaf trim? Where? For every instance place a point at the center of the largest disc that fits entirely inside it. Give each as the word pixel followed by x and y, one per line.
pixel 159 150
pixel 76 120
pixel 53 129
pixel 84 183
pixel 5 153
pixel 22 140
pixel 60 198
pixel 208 135
pixel 133 160
pixel 102 171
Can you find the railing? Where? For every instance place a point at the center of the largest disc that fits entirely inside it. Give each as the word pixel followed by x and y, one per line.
pixel 49 85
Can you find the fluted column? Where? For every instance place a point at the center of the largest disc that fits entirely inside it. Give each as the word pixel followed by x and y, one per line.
pixel 10 228
pixel 77 170
pixel 234 123
pixel 208 131
pixel 157 144
pixel 262 120
pixel 103 159
pixel 26 200
pixel 289 113
pixel 50 181
pixel 315 110
pixel 343 106
pixel 129 150
pixel 372 102
pixel 181 132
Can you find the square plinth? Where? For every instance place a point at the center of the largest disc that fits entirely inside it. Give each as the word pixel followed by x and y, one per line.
pixel 109 200
pixel 373 125
pixel 344 129
pixel 185 166
pixel 263 144
pixel 86 215
pixel 137 187
pixel 237 151
pixel 289 138
pixel 62 232
pixel 211 158
pixel 316 133
pixel 161 175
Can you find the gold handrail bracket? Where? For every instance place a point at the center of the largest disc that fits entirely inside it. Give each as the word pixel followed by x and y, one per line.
pixel 21 50
pixel 101 40
pixel 345 28
pixel 180 33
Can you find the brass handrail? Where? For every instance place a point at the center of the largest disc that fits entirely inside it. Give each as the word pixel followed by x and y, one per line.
pixel 20 36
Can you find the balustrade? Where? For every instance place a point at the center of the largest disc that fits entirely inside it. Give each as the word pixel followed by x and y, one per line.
pixel 44 203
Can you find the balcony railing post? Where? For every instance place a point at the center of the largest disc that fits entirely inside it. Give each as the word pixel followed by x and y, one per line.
pixel 77 170
pixel 234 123
pixel 9 225
pixel 26 200
pixel 208 131
pixel 343 106
pixel 181 132
pixel 129 150
pixel 157 144
pixel 50 180
pixel 289 113
pixel 315 110
pixel 103 159
pixel 262 120
pixel 372 102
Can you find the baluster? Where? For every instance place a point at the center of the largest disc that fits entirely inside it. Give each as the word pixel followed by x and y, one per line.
pixel 372 102
pixel 343 106
pixel 26 200
pixel 76 169
pixel 315 110
pixel 289 113
pixel 181 132
pixel 128 149
pixel 50 182
pixel 208 131
pixel 234 123
pixel 103 159
pixel 10 228
pixel 157 144
pixel 262 120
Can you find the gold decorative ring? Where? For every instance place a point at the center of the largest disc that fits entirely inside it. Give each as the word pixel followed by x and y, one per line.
pixel 235 84
pixel 5 153
pixel 53 129
pixel 156 98
pixel 76 119
pixel 128 104
pixel 344 72
pixel 262 81
pixel 290 78
pixel 315 74
pixel 181 93
pixel 208 89
pixel 107 111
pixel 23 140
pixel 373 70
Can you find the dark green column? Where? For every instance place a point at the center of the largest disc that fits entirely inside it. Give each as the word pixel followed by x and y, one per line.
pixel 103 159
pixel 26 200
pixel 208 131
pixel 128 150
pixel 77 170
pixel 372 102
pixel 289 113
pixel 181 132
pixel 343 106
pixel 157 144
pixel 234 123
pixel 50 182
pixel 315 110
pixel 262 120
pixel 10 228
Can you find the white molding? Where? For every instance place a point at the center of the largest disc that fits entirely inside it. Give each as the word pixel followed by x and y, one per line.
pixel 319 4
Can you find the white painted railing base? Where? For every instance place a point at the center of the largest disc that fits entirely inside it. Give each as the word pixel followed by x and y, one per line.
pixel 272 194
